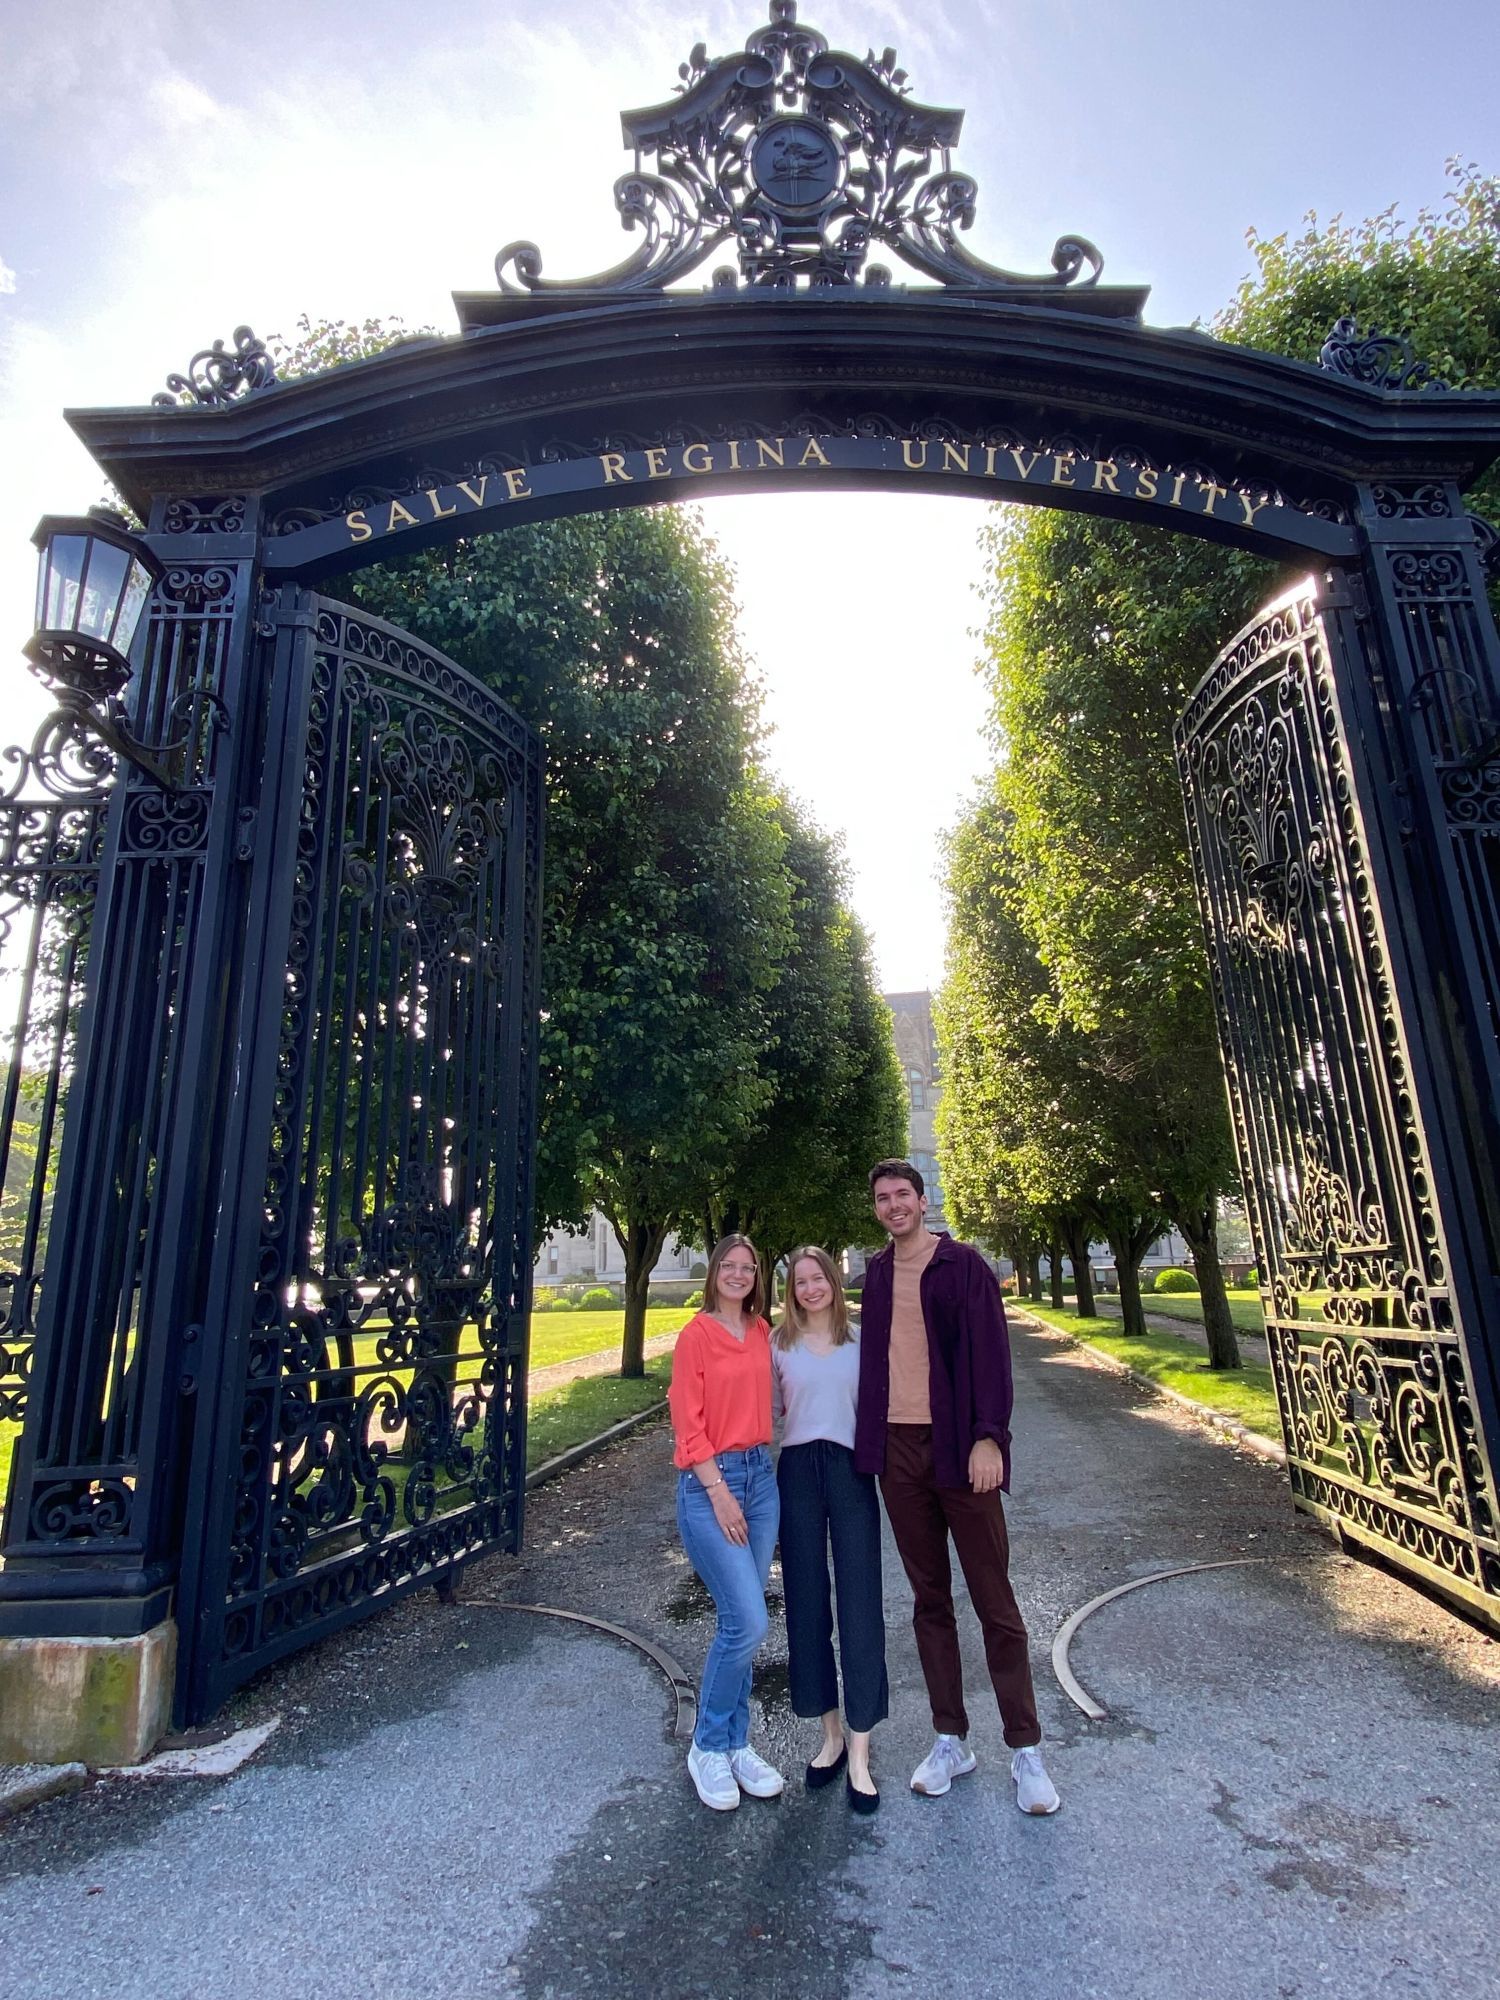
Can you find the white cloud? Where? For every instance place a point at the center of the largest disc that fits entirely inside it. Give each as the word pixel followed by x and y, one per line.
pixel 183 103
pixel 7 277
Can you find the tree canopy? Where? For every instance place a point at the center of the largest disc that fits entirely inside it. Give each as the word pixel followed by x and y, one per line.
pixel 712 1048
pixel 1097 633
pixel 837 1101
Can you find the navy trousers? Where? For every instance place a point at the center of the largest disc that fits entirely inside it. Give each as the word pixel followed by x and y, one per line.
pixel 826 1504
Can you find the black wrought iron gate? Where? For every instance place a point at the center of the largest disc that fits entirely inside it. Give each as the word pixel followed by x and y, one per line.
pixel 1303 791
pixel 367 1430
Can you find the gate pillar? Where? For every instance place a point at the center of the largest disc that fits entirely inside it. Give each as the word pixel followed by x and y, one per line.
pixel 93 1521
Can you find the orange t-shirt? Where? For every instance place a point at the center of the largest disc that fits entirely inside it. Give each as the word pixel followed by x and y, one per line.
pixel 911 1359
pixel 721 1389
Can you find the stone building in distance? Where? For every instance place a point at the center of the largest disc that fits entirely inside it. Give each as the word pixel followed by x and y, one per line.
pixel 916 1052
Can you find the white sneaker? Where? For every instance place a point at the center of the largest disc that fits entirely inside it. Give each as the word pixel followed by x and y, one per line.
pixel 1035 1791
pixel 712 1779
pixel 950 1757
pixel 754 1775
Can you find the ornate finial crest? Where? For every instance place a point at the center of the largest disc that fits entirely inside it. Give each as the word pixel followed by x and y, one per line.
pixel 1384 360
pixel 216 378
pixel 803 159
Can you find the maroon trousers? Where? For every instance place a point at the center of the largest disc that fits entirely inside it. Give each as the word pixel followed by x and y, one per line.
pixel 922 1516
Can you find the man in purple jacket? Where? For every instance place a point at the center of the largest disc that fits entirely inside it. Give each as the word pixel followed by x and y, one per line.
pixel 933 1424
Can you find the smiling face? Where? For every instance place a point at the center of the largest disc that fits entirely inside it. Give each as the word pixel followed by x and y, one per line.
pixel 733 1284
pixel 810 1283
pixel 898 1206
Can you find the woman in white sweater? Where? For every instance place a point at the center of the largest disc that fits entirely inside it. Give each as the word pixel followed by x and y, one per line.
pixel 827 1505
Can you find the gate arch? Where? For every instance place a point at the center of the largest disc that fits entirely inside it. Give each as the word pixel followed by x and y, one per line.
pixel 805 367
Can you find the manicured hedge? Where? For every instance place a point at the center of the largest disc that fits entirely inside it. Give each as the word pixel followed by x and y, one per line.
pixel 1173 1280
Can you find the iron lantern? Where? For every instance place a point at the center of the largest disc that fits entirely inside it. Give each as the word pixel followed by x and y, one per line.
pixel 94 581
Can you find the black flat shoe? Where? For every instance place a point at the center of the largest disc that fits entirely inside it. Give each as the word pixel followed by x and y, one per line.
pixel 861 1802
pixel 819 1775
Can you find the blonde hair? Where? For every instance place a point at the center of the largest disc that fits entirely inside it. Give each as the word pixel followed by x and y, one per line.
pixel 793 1323
pixel 755 1305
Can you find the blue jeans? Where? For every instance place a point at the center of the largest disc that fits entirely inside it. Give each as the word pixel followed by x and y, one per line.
pixel 735 1579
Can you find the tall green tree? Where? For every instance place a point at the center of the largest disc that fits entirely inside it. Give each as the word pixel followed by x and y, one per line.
pixel 1098 633
pixel 1030 1120
pixel 1087 672
pixel 836 1102
pixel 666 905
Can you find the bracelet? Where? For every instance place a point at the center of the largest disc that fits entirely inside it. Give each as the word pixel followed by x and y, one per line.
pixel 717 1483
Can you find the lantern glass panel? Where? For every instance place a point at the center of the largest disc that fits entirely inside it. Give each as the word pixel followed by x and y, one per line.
pixel 103 587
pixel 137 592
pixel 64 572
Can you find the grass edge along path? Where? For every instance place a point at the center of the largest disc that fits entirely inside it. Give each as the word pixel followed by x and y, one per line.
pixel 1168 1361
pixel 558 1419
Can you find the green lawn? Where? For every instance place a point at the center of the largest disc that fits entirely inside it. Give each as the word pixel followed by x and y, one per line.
pixel 564 1336
pixel 560 1418
pixel 1244 1310
pixel 1179 1364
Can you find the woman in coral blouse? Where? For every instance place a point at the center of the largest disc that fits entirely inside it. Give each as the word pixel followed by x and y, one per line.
pixel 727 1509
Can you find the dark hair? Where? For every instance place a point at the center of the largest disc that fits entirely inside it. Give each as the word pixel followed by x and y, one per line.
pixel 896 1170
pixel 755 1305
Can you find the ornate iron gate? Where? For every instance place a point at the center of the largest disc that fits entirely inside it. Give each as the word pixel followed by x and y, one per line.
pixel 369 1429
pixel 1373 1354
pixel 51 832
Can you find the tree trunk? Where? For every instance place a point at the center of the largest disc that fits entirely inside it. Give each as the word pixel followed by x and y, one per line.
pixel 1034 1276
pixel 641 1243
pixel 1128 1274
pixel 1054 1272
pixel 1083 1277
pixel 1130 1237
pixel 1200 1229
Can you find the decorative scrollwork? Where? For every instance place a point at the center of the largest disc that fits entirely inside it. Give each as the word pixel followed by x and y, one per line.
pixel 1328 1220
pixel 216 378
pixel 1429 573
pixel 1253 808
pixel 802 160
pixel 379 1431
pixel 1371 1379
pixel 209 514
pixel 1384 360
pixel 66 760
pixel 1425 502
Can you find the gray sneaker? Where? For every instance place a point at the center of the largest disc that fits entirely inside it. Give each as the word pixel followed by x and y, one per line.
pixel 712 1779
pixel 1035 1791
pixel 754 1775
pixel 950 1757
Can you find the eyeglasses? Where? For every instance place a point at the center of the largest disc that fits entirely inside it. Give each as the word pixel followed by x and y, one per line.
pixel 736 1270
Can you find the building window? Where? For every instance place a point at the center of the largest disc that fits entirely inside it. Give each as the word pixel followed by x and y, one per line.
pixel 551 1260
pixel 917 1089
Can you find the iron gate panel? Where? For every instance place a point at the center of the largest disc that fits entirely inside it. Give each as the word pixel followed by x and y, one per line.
pixel 374 1428
pixel 1368 1356
pixel 51 834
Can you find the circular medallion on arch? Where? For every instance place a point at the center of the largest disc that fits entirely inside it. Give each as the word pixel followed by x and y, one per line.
pixel 798 164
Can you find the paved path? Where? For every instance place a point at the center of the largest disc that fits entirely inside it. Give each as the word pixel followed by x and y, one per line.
pixel 605 1362
pixel 1297 1790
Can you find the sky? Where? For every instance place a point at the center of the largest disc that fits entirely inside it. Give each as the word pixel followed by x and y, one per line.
pixel 168 173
